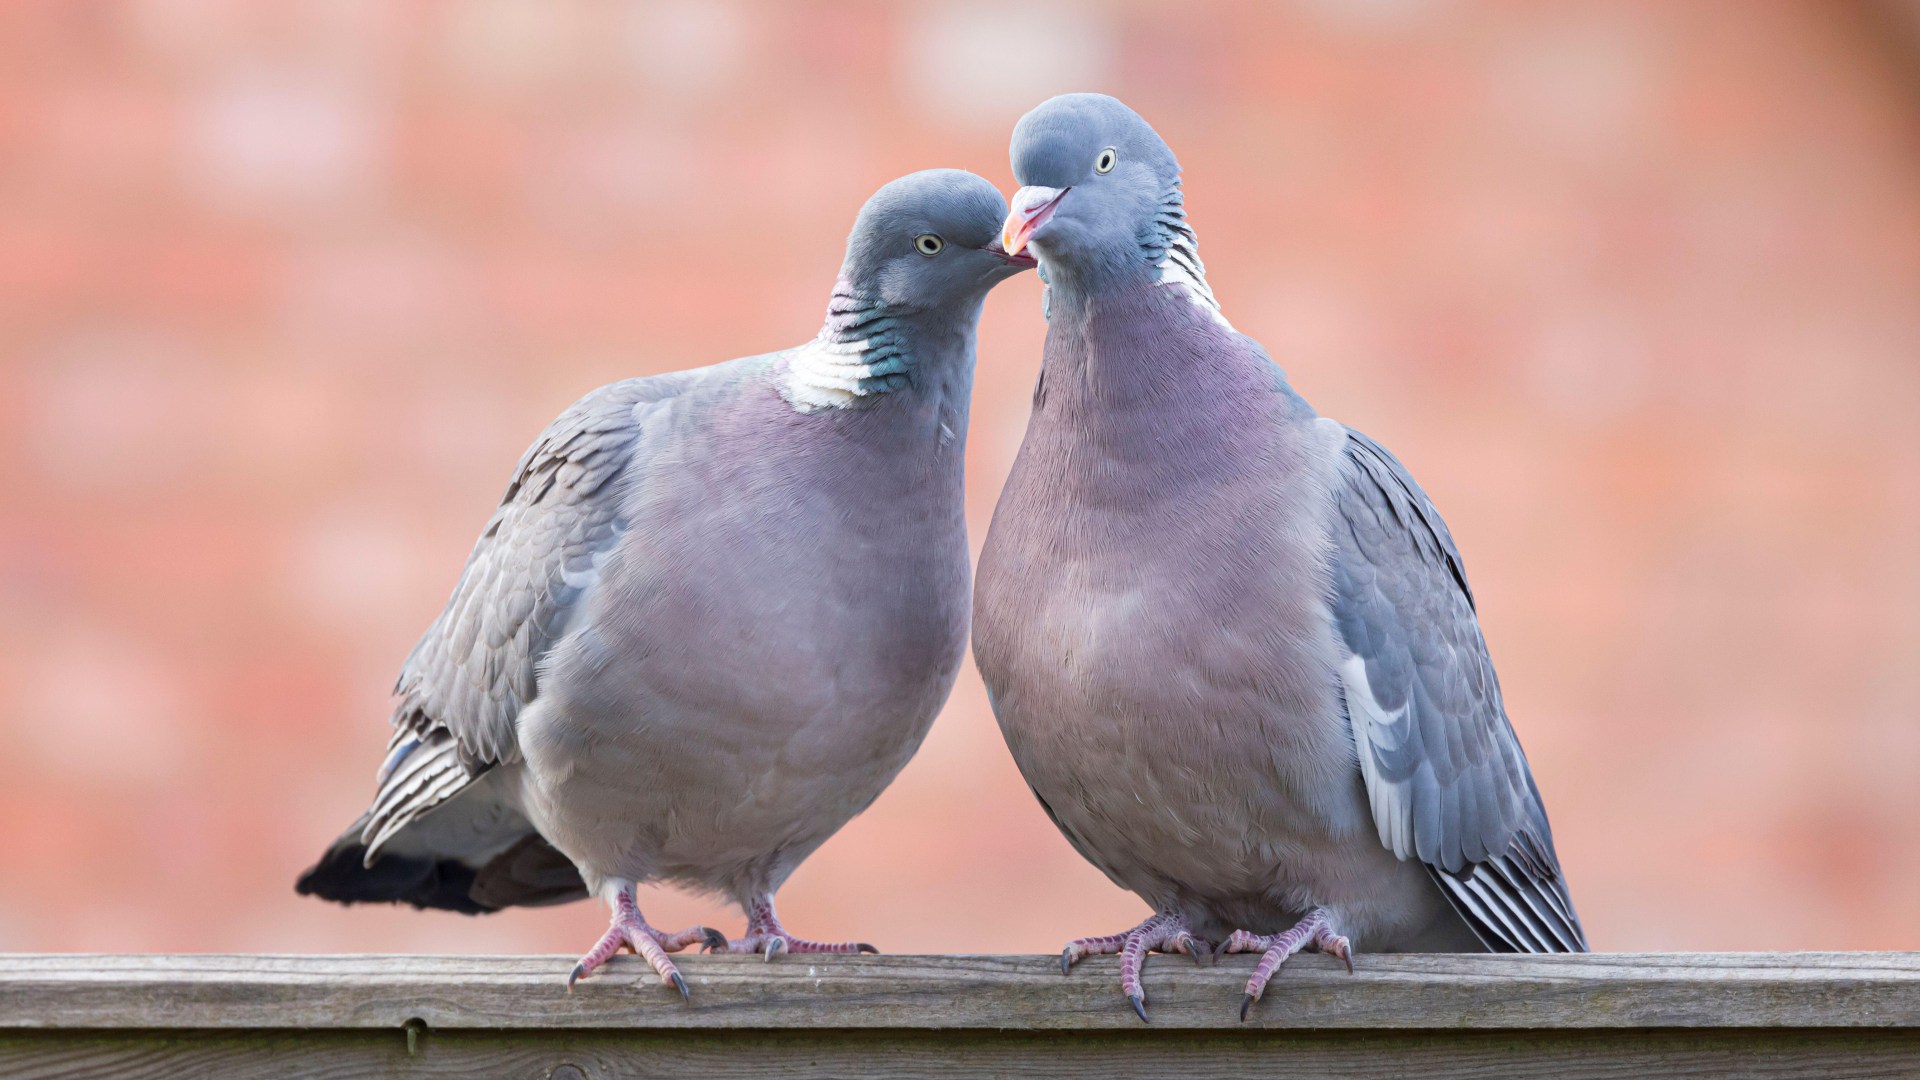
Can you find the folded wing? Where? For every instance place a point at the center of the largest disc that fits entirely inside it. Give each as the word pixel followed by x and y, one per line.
pixel 1445 775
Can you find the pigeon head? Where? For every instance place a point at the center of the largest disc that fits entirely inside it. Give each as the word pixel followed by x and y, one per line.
pixel 929 240
pixel 1096 182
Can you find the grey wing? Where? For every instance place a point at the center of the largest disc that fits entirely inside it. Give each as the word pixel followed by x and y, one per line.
pixel 478 665
pixel 1445 774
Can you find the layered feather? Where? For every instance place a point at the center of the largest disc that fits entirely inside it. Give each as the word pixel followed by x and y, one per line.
pixel 1445 775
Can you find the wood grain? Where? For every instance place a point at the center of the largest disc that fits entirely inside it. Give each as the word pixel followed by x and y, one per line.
pixel 1429 993
pixel 1140 1054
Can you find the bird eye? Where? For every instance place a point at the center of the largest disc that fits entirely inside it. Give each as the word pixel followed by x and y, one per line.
pixel 1106 161
pixel 928 244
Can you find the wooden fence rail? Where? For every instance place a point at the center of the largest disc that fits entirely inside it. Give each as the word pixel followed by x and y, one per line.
pixel 1431 1017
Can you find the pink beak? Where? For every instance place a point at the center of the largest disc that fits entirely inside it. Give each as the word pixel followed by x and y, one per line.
pixel 1032 208
pixel 1022 261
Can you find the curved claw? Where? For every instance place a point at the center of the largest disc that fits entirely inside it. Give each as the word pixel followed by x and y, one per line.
pixel 1066 960
pixel 1194 950
pixel 714 940
pixel 1344 950
pixel 775 946
pixel 1139 1002
pixel 680 984
pixel 863 947
pixel 574 976
pixel 1246 1005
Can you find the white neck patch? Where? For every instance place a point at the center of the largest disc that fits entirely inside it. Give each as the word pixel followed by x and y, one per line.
pixel 1180 264
pixel 825 374
pixel 1182 270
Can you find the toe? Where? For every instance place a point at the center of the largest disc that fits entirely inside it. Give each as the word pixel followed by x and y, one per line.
pixel 1343 949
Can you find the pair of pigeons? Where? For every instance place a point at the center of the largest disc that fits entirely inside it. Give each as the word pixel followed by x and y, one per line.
pixel 1230 642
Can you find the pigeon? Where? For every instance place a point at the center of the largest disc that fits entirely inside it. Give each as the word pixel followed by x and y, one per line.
pixel 1230 642
pixel 711 619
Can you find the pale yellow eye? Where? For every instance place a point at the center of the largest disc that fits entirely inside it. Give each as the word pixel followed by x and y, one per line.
pixel 1106 161
pixel 928 244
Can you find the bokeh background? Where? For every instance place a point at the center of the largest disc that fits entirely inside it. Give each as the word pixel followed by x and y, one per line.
pixel 285 289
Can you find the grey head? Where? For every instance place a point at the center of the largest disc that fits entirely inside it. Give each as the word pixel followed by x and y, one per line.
pixel 1100 194
pixel 922 256
pixel 929 241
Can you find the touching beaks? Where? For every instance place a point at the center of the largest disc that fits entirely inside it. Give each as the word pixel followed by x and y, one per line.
pixel 1031 207
pixel 1023 261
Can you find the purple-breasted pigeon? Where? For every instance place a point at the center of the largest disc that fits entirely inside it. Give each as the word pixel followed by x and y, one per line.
pixel 712 617
pixel 1230 642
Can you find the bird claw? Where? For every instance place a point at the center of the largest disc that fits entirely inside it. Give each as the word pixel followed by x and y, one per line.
pixel 765 935
pixel 628 930
pixel 1342 948
pixel 1315 931
pixel 1165 933
pixel 712 940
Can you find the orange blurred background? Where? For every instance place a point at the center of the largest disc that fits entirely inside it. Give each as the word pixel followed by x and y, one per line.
pixel 286 288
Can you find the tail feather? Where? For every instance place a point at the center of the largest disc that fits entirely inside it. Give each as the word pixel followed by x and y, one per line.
pixel 423 881
pixel 531 873
pixel 474 853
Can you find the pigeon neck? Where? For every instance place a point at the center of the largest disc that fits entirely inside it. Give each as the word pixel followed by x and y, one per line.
pixel 868 349
pixel 1167 254
pixel 1174 252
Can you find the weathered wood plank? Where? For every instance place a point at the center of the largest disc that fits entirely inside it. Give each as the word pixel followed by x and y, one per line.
pixel 958 993
pixel 1138 1054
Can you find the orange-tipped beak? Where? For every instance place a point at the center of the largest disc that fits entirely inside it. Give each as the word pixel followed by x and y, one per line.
pixel 1032 207
pixel 1023 261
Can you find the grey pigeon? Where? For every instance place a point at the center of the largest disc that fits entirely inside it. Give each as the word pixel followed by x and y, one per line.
pixel 712 617
pixel 1229 641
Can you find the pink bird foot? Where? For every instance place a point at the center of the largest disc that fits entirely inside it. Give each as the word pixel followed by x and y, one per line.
pixel 766 935
pixel 1162 933
pixel 628 930
pixel 1313 932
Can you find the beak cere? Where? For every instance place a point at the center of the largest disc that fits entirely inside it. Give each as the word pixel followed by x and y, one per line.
pixel 1031 208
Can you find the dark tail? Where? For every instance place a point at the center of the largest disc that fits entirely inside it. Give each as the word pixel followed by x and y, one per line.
pixel 395 878
pixel 503 862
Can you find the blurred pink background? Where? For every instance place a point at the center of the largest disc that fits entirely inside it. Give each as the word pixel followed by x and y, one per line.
pixel 285 289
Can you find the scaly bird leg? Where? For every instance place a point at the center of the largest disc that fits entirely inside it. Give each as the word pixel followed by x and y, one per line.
pixel 628 930
pixel 1162 933
pixel 1313 932
pixel 766 935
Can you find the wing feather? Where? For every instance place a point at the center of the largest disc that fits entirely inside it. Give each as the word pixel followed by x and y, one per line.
pixel 1445 776
pixel 465 683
